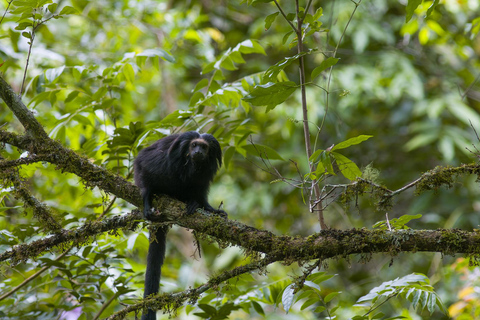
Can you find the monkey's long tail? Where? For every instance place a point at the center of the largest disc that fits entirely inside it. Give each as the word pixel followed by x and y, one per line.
pixel 155 257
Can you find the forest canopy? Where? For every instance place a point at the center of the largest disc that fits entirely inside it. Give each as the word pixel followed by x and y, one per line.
pixel 350 138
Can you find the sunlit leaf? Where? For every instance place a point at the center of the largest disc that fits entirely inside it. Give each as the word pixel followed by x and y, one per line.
pixel 351 142
pixel 158 52
pixel 347 167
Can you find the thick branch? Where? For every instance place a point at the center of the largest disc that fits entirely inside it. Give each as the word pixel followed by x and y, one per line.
pixel 79 236
pixel 323 245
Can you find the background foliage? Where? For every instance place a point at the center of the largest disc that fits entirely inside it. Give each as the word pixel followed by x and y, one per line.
pixel 107 78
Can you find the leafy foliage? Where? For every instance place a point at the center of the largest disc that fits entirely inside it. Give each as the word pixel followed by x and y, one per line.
pixel 414 287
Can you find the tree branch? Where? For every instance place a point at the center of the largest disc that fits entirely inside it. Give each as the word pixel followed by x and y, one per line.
pixel 25 116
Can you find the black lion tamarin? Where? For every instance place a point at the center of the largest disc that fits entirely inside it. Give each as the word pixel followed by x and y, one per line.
pixel 181 166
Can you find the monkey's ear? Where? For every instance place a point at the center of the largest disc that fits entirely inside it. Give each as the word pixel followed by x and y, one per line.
pixel 179 148
pixel 214 147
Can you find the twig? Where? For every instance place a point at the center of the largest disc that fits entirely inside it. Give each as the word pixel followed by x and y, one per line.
pixel 285 16
pixel 388 222
pixel 6 10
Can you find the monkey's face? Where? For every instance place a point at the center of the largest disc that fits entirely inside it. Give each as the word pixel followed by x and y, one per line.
pixel 198 150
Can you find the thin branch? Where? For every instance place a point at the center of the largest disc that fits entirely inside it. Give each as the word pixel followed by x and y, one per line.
pixel 5 164
pixel 6 10
pixel 105 305
pixel 285 16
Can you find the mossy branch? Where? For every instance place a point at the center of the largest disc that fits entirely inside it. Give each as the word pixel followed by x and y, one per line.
pixel 440 176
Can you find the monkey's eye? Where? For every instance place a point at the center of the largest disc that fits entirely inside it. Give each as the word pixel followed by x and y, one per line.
pixel 194 144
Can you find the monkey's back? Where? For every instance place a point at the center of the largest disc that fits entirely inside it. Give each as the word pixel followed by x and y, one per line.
pixel 152 169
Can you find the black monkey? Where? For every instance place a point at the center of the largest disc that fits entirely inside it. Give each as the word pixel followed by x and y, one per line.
pixel 181 166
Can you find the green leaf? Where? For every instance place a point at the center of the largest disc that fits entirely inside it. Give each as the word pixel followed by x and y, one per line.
pixel 259 150
pixel 151 53
pixel 315 155
pixel 176 118
pixel 208 309
pixel 319 171
pixel 431 302
pixel 326 162
pixel 432 7
pixel 52 7
pixel 201 84
pixel 312 285
pixel 308 303
pixel 227 64
pixel 271 94
pixel 129 73
pixel 320 277
pixel 420 140
pixel 330 296
pixel 68 10
pixel 52 74
pixel 320 309
pixel 269 20
pixel 227 155
pixel 403 220
pixel 415 287
pixel 318 14
pixel 258 308
pixel 347 167
pixel 100 93
pixel 287 297
pixel 251 46
pixel 71 96
pixel 271 74
pixel 397 223
pixel 324 66
pixel 286 36
pixel 351 142
pixel 27 35
pixel 411 6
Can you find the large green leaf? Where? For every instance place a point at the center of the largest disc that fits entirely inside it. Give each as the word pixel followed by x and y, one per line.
pixel 347 167
pixel 412 5
pixel 351 142
pixel 271 94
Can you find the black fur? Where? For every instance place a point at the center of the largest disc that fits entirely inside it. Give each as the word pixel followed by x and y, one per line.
pixel 181 166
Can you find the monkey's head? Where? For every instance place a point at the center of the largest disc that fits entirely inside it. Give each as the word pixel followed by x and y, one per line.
pixel 198 150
